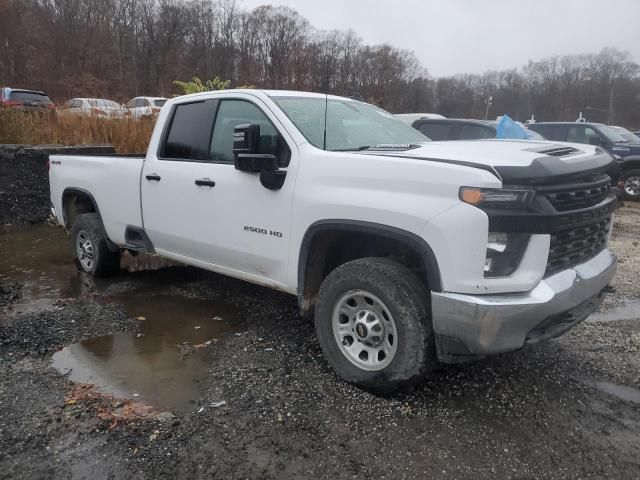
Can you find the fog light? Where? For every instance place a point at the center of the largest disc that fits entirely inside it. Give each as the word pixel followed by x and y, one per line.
pixel 504 253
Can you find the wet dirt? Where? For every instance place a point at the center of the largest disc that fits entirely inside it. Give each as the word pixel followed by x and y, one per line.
pixel 627 311
pixel 164 363
pixel 269 405
pixel 628 394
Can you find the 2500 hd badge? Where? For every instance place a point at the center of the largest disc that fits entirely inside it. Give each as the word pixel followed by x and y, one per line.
pixel 263 231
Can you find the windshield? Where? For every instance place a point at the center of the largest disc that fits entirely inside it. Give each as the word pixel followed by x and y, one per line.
pixel 351 125
pixel 627 135
pixel 612 134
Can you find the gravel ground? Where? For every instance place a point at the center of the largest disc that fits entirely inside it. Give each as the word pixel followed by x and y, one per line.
pixel 568 409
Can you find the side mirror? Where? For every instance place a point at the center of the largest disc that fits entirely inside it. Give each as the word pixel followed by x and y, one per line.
pixel 246 145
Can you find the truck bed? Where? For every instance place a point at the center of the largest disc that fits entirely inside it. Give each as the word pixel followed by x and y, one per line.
pixel 112 180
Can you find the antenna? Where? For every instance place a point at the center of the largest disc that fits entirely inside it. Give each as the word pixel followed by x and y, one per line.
pixel 326 104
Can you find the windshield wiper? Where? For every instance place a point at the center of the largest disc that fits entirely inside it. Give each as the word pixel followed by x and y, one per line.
pixel 380 147
pixel 353 149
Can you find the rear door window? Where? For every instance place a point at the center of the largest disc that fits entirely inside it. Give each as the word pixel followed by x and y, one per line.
pixel 474 132
pixel 545 130
pixel 189 134
pixel 435 131
pixel 575 134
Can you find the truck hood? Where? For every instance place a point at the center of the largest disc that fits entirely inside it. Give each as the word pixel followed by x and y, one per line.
pixel 625 149
pixel 514 161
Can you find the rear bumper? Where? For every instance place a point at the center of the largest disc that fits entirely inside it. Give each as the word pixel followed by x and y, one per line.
pixel 468 326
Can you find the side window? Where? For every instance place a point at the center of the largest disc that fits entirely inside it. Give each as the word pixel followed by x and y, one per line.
pixel 575 134
pixel 190 131
pixel 474 132
pixel 435 131
pixel 547 131
pixel 555 132
pixel 592 137
pixel 232 113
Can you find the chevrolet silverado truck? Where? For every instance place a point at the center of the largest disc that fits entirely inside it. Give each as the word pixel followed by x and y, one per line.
pixel 404 251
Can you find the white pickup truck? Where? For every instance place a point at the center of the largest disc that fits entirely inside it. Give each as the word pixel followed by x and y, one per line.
pixel 405 251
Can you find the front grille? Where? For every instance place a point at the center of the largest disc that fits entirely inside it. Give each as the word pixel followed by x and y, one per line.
pixel 578 195
pixel 571 247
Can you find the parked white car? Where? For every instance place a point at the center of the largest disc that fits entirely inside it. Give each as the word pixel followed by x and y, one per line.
pixel 145 106
pixel 98 107
pixel 405 251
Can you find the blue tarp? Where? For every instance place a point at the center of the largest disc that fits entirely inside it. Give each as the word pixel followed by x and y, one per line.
pixel 508 128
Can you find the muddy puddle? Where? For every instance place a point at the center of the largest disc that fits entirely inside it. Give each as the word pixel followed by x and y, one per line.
pixel 166 362
pixel 628 394
pixel 39 258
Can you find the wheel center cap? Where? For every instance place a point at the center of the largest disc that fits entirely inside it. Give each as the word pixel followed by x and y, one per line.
pixel 361 330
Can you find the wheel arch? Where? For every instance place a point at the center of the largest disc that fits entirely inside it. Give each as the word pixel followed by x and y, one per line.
pixel 76 201
pixel 630 163
pixel 329 243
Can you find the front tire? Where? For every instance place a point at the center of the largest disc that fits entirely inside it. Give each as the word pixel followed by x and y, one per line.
pixel 632 185
pixel 90 247
pixel 374 326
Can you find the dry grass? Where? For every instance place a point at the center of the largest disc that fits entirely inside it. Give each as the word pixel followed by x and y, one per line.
pixel 127 135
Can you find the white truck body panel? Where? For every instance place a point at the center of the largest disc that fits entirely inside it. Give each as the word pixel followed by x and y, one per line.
pixel 114 183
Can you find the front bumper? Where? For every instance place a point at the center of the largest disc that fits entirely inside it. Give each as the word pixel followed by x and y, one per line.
pixel 469 326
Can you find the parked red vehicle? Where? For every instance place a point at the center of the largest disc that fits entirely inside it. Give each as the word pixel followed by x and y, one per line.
pixel 28 100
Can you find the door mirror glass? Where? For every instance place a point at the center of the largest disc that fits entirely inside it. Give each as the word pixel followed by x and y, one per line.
pixel 246 139
pixel 246 145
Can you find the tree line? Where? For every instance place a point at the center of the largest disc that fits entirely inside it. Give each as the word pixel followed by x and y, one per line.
pixel 124 48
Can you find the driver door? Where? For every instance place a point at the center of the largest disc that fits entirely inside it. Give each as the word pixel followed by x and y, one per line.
pixel 208 213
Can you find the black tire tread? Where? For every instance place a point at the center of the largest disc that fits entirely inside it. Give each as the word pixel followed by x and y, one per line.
pixel 407 295
pixel 107 261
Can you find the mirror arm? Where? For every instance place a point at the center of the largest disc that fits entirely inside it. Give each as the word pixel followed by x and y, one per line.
pixel 273 180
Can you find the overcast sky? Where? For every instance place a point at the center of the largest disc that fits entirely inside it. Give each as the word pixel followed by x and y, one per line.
pixel 473 36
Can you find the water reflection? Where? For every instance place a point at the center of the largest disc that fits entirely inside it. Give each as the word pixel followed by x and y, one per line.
pixel 160 364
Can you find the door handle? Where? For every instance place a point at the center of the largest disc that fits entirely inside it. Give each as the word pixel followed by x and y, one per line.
pixel 205 182
pixel 154 177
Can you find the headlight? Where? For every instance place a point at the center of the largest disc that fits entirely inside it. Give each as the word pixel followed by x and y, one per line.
pixel 497 197
pixel 504 253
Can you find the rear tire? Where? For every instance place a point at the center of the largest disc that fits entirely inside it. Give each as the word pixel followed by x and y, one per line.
pixel 90 247
pixel 632 185
pixel 374 325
